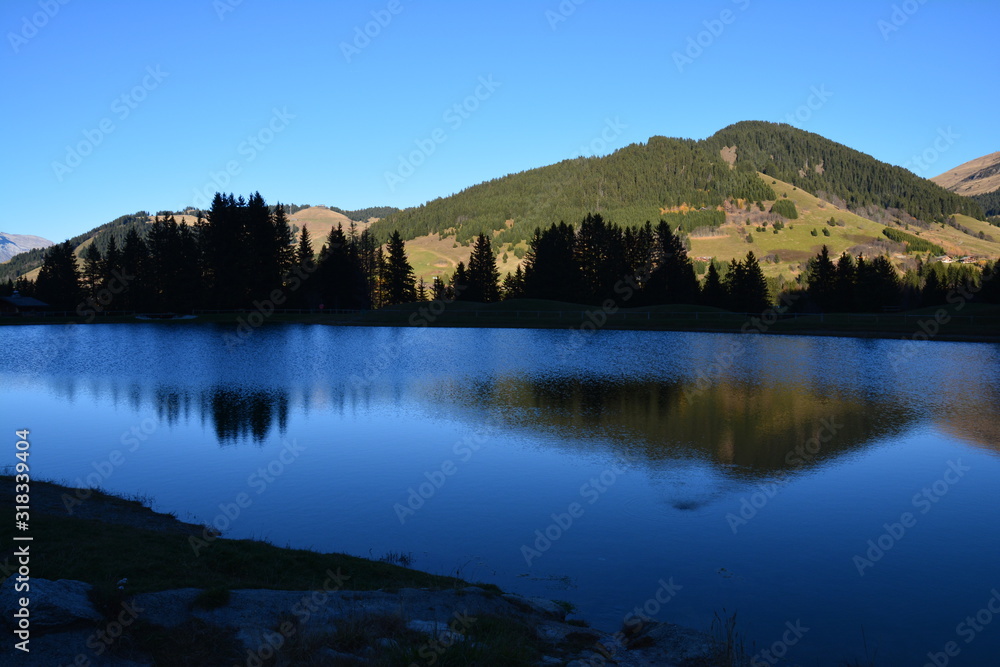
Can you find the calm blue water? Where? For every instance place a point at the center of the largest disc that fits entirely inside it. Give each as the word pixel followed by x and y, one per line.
pixel 746 473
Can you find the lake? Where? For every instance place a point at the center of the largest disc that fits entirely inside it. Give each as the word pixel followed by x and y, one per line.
pixel 833 491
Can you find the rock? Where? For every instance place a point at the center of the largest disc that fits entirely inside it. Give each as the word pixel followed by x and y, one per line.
pixel 670 644
pixel 537 605
pixel 53 604
pixel 338 658
pixel 439 631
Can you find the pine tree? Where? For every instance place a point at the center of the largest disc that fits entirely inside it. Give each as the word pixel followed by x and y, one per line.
pixel 844 284
pixel 459 282
pixel 550 267
pixel 513 285
pixel 822 280
pixel 747 286
pixel 399 280
pixel 713 293
pixel 135 267
pixel 438 289
pixel 93 270
pixel 933 293
pixel 674 279
pixel 304 255
pixel 484 278
pixel 58 282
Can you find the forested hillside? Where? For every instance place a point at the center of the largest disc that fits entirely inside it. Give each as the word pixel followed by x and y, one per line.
pixel 683 181
pixel 818 165
pixel 636 184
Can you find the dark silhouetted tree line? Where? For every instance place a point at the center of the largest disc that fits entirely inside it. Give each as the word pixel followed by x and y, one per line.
pixel 240 255
pixel 640 266
pixel 874 285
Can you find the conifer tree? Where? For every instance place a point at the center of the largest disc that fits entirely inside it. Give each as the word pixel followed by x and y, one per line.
pixel 93 270
pixel 484 277
pixel 844 284
pixel 713 293
pixel 459 282
pixel 673 280
pixel 822 280
pixel 399 280
pixel 58 282
pixel 513 284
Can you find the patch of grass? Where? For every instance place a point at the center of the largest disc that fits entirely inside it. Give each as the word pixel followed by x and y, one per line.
pixel 397 558
pixel 212 598
pixel 191 644
pixel 731 647
pixel 568 607
pixel 384 640
pixel 102 553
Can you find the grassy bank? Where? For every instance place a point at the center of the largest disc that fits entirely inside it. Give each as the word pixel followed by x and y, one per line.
pixel 125 543
pixel 972 322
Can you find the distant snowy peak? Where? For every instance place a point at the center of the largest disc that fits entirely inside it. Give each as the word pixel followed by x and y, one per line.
pixel 15 244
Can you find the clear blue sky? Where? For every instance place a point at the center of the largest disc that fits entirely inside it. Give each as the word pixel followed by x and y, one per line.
pixel 201 77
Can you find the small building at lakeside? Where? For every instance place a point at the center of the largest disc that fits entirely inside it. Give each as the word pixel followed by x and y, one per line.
pixel 16 304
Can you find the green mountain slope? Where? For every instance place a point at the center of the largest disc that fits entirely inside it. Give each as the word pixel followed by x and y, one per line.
pixel 649 181
pixel 630 186
pixel 819 165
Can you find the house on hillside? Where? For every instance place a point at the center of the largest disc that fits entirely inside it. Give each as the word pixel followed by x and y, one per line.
pixel 16 304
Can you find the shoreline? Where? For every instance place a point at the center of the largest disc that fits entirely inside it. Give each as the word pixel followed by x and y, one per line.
pixel 129 571
pixel 915 327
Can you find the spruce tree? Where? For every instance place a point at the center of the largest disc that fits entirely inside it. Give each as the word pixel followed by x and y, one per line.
pixel 399 280
pixel 459 282
pixel 822 280
pixel 484 278
pixel 58 282
pixel 713 293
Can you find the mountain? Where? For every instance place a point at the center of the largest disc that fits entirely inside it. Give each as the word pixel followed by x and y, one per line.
pixel 15 244
pixel 705 188
pixel 687 181
pixel 320 220
pixel 975 177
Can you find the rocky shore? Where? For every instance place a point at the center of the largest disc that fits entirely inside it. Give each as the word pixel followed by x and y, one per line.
pixel 342 619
